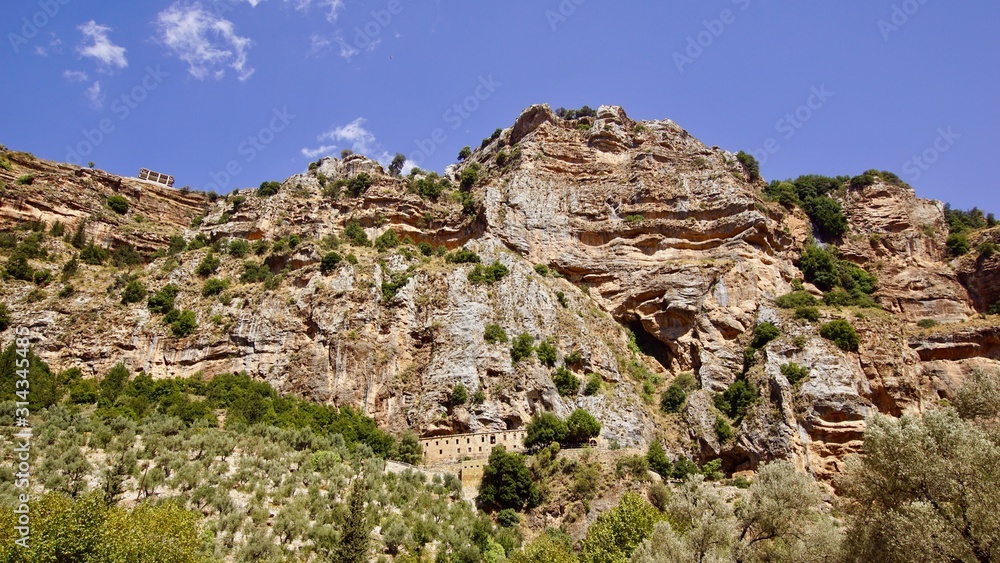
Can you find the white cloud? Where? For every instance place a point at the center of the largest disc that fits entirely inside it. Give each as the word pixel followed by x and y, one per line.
pixel 322 150
pixel 361 141
pixel 332 7
pixel 98 46
pixel 205 41
pixel 75 76
pixel 95 95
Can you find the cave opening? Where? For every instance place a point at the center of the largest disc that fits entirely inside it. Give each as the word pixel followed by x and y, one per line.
pixel 651 345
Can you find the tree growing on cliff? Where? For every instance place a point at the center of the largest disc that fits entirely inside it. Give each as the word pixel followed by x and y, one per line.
pixel 507 483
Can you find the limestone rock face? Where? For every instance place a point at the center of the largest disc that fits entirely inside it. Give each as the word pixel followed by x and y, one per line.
pixel 631 246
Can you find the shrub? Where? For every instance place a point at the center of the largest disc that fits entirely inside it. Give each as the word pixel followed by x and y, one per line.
pixel 796 299
pixel 863 181
pixel 163 301
pixel 958 244
pixel 393 285
pixel 819 267
pixel 469 176
pixel 255 273
pixel 329 262
pixel 593 385
pixel 488 274
pixel 672 399
pixel 93 254
pixel 827 215
pixel 430 187
pixel 387 240
pixel 268 189
pixel 213 286
pixel 986 250
pixel 810 314
pixel 396 166
pixel 27 179
pixel 541 269
pixel 184 324
pixel 134 292
pixel 723 431
pixel 794 373
pixel 358 185
pixel 561 298
pixel 18 268
pixel 459 395
pixel 126 255
pixel 462 256
pixel 507 483
pixel 544 429
pixel 841 333
pixel 737 399
pixel 239 248
pixel 4 317
pixel 547 353
pixel 566 383
pixel 208 265
pixel 356 234
pixel 617 533
pixel 581 426
pixel 927 323
pixel 494 333
pixel 658 460
pixel 118 204
pixel 750 165
pixel 465 153
pixel 764 333
pixel 522 347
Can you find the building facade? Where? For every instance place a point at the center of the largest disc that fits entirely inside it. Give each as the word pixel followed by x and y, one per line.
pixel 457 447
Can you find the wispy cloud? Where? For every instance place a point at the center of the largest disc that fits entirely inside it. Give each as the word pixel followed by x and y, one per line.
pixel 331 7
pixel 75 75
pixel 98 45
pixel 95 94
pixel 360 139
pixel 205 41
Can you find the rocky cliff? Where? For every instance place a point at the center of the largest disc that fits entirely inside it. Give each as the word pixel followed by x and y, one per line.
pixel 606 227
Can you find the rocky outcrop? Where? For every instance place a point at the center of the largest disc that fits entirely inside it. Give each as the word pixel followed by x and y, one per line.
pixel 979 272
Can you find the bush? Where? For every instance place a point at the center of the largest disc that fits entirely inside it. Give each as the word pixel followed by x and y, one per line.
pixel 544 429
pixel 750 165
pixel 118 204
pixel 927 323
pixel 465 153
pixel 356 234
pixel 672 399
pixel 819 266
pixel 507 483
pixel 617 533
pixel 18 268
pixel 469 176
pixel 494 333
pixel 255 273
pixel 764 333
pixel 737 399
pixel 986 250
pixel 4 317
pixel 547 353
pixel 213 286
pixel 459 395
pixel 163 301
pixel 561 298
pixel 134 292
pixel 658 460
pixel 392 286
pixel 541 269
pixel 796 299
pixel 93 254
pixel 841 333
pixel 239 248
pixel 430 187
pixel 794 373
pixel 27 179
pixel 958 244
pixel 268 189
pixel 523 347
pixel 593 385
pixel 810 314
pixel 508 518
pixel 387 240
pixel 184 324
pixel 581 426
pixel 329 262
pixel 566 383
pixel 488 274
pixel 462 256
pixel 723 431
pixel 358 185
pixel 208 265
pixel 827 215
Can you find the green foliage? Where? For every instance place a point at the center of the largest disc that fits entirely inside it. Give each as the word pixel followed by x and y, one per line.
pixel 658 461
pixel 827 216
pixel 239 247
pixel 93 254
pixel 593 386
pixel 561 298
pixel 208 266
pixel 750 165
pixel 268 189
pixel 841 333
pixel 392 285
pixel 507 483
pixel 672 400
pixel 617 533
pixel 355 541
pixel 568 114
pixel 566 383
pixel 255 273
pixel 810 314
pixel 184 324
pixel 723 431
pixel 794 373
pixel 737 399
pixel 962 221
pixel 523 347
pixel 927 323
pixel 358 185
pixel 459 395
pixel 462 256
pixel 544 429
pixel 163 300
pixel 134 292
pixel 126 255
pixel 5 319
pixel 488 275
pixel 547 353
pixel 987 250
pixel 465 153
pixel 213 286
pixel 958 244
pixel 396 166
pixel 469 176
pixel 634 219
pixel 387 240
pixel 494 333
pixel 764 333
pixel 784 193
pixel 26 179
pixel 581 427
pixel 17 267
pixel 355 234
pixel 796 299
pixel 118 204
pixel 574 358
pixel 329 262
pixel 541 269
pixel 430 186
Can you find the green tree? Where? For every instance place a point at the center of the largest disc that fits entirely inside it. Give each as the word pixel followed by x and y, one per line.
pixel 764 333
pixel 5 319
pixel 958 244
pixel 750 165
pixel 673 399
pixel 355 540
pixel 268 189
pixel 134 292
pixel 737 399
pixel 658 460
pixel 465 153
pixel 118 204
pixel 396 166
pixel 507 483
pixel 329 262
pixel 184 324
pixel 459 395
pixel 409 448
pixel 494 333
pixel 566 383
pixel 213 286
pixel 544 429
pixel 151 534
pixel 547 353
pixel 208 266
pixel 841 333
pixel 618 532
pixel 114 382
pixel 581 426
pixel 522 347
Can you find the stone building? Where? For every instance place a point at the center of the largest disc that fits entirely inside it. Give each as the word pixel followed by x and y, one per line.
pixel 445 449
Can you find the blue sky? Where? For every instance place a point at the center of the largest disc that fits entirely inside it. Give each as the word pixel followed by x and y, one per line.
pixel 230 93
